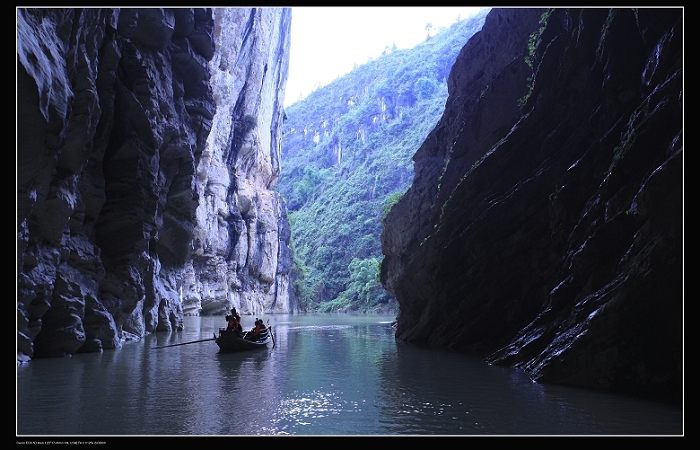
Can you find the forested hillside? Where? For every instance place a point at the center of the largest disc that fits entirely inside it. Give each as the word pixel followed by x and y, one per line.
pixel 347 157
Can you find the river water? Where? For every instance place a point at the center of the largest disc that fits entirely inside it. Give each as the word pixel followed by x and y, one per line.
pixel 325 375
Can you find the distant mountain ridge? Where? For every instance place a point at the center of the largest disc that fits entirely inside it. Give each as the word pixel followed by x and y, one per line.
pixel 346 149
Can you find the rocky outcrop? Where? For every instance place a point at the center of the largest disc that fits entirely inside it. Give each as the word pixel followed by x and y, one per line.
pixel 241 254
pixel 544 228
pixel 118 116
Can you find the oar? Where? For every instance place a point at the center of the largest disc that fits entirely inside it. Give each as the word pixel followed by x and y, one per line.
pixel 271 333
pixel 185 343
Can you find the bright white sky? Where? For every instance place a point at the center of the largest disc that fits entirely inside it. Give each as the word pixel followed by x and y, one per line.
pixel 326 42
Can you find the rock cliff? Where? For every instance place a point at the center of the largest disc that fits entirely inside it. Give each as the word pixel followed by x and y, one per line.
pixel 147 150
pixel 544 226
pixel 241 252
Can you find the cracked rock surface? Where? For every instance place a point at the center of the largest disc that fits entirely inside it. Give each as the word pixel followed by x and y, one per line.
pixel 133 205
pixel 544 226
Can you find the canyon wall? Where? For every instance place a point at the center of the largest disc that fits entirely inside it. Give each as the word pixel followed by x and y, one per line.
pixel 241 253
pixel 147 151
pixel 544 226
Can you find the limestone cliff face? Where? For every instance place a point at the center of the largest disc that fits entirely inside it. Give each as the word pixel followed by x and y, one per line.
pixel 241 251
pixel 118 122
pixel 544 227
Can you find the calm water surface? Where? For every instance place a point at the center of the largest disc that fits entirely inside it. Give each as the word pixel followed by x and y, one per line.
pixel 326 375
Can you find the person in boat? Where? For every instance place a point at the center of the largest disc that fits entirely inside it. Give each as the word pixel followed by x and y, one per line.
pixel 234 321
pixel 257 330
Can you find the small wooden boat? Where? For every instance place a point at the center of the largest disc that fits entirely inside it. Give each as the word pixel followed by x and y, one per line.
pixel 232 341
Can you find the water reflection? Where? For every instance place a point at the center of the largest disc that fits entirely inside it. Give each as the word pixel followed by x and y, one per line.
pixel 440 392
pixel 326 375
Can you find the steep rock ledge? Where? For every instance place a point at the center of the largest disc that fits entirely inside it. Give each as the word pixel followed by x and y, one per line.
pixel 241 251
pixel 114 113
pixel 544 227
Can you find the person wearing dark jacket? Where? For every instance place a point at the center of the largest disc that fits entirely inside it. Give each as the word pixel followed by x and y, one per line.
pixel 234 321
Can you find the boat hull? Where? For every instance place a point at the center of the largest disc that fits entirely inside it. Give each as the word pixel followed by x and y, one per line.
pixel 230 341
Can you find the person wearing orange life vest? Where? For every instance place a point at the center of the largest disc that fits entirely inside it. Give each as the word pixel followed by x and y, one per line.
pixel 258 329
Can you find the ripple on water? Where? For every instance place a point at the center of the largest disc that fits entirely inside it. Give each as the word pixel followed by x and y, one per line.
pixel 316 410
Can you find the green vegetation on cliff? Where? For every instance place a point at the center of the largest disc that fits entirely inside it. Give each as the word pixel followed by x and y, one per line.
pixel 346 153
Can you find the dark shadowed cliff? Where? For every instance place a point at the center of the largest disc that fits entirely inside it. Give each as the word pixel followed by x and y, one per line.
pixel 544 226
pixel 148 146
